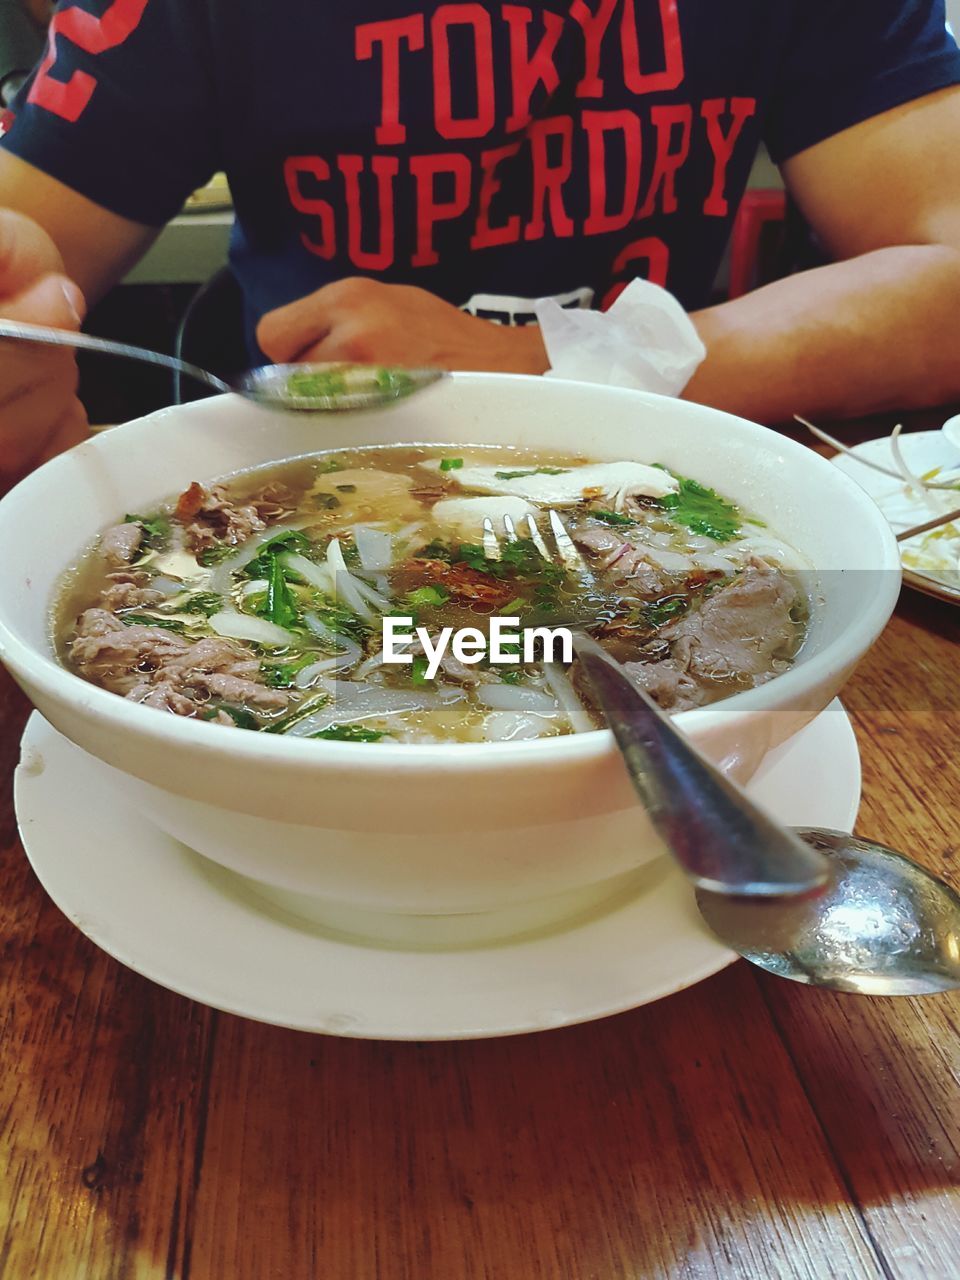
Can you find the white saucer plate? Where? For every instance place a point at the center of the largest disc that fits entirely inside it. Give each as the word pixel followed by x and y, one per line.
pixel 204 932
pixel 922 451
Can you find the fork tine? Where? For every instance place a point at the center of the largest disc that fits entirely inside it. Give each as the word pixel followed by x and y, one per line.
pixel 510 528
pixel 536 538
pixel 568 553
pixel 491 547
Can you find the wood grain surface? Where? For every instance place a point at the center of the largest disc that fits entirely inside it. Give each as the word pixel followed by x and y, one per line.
pixel 748 1128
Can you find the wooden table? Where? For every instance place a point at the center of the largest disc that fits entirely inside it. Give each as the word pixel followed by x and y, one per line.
pixel 746 1128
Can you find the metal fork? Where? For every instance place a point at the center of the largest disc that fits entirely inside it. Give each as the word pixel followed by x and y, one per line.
pixel 720 839
pixel 566 555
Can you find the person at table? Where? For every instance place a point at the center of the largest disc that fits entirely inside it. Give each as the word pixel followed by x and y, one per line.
pixel 406 185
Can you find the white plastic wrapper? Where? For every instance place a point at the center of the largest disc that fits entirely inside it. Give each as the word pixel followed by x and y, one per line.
pixel 645 340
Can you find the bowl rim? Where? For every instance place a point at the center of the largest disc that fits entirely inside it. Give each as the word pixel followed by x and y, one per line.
pixel 784 691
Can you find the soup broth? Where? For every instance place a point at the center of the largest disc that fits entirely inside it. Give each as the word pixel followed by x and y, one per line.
pixel 259 601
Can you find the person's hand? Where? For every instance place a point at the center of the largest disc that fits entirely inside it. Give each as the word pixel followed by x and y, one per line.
pixel 40 414
pixel 366 322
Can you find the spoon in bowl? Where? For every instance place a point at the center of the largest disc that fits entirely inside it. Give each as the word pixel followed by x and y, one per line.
pixel 817 906
pixel 301 388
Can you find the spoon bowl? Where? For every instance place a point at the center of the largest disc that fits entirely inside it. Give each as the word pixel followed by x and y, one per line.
pixel 882 926
pixel 294 388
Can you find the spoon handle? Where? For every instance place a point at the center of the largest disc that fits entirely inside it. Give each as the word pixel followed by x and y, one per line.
pixel 720 838
pixel 21 332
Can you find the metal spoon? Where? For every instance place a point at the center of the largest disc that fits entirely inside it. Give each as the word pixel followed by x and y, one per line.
pixel 309 388
pixel 818 906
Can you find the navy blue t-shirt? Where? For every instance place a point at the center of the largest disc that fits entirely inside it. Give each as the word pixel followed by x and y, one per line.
pixel 489 152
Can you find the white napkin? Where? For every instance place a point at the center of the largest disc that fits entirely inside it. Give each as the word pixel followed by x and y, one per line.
pixel 645 340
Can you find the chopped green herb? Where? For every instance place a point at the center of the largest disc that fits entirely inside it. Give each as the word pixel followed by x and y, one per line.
pixel 312 384
pixel 418 672
pixel 761 524
pixel 206 602
pixel 151 620
pixel 279 604
pixel 328 466
pixel 513 606
pixel 655 615
pixel 394 382
pixel 474 557
pixel 428 596
pixel 511 677
pixel 342 621
pixel 154 530
pixel 349 733
pixel 612 517
pixel 240 716
pixel 451 464
pixel 282 675
pixel 305 709
pixel 702 511
pixel 532 471
pixel 434 551
pixel 286 540
pixel 216 554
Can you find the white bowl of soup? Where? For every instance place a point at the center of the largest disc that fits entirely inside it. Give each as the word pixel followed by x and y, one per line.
pixel 376 789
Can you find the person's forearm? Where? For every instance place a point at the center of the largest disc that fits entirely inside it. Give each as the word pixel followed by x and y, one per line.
pixel 871 334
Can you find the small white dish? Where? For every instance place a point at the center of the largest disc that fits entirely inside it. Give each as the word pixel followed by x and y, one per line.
pixel 922 451
pixel 209 934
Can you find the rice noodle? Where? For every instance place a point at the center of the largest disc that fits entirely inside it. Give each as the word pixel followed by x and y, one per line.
pixel 513 726
pixel 374 546
pixel 221 580
pixel 345 584
pixel 915 484
pixel 318 575
pixel 243 626
pixel 333 638
pixel 368 665
pixel 352 701
pixel 565 694
pixel 305 677
pixel 513 697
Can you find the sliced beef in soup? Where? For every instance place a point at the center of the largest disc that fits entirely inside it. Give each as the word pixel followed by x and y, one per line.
pixel 260 600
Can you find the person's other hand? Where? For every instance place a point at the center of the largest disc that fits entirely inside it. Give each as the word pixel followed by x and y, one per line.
pixel 40 414
pixel 366 322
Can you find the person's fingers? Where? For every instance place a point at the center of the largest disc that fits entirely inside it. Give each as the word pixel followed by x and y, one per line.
pixel 26 253
pixel 291 332
pixel 51 301
pixel 71 429
pixel 29 424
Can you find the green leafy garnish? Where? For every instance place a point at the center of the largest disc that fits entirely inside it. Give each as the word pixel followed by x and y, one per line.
pixel 279 605
pixel 612 517
pixel 418 672
pixel 474 557
pixel 305 709
pixel 531 471
pixel 328 466
pixel 513 606
pixel 511 677
pixel 206 602
pixel 435 596
pixel 451 464
pixel 349 733
pixel 154 530
pixel 151 620
pixel 282 675
pixel 314 384
pixel 240 716
pixel 394 382
pixel 286 540
pixel 702 511
pixel 216 554
pixel 655 615
pixel 435 551
pixel 325 501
